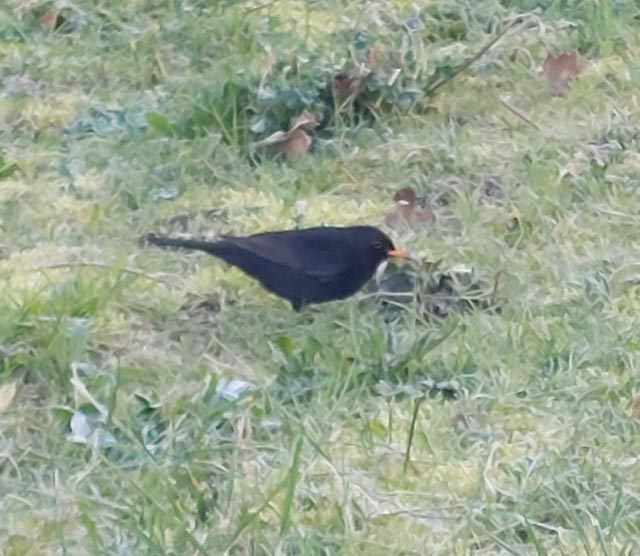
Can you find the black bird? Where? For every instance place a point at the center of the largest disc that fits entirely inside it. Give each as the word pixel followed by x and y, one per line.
pixel 313 265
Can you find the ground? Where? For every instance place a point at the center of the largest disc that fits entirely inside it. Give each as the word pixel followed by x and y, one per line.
pixel 157 402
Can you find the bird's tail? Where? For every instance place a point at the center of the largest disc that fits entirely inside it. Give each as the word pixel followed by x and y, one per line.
pixel 210 247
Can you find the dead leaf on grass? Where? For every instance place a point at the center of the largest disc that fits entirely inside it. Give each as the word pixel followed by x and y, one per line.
pixel 51 20
pixel 345 83
pixel 297 144
pixel 348 87
pixel 306 120
pixel 64 20
pixel 559 70
pixel 294 142
pixel 407 210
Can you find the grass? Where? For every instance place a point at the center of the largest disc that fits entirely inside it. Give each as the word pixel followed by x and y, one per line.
pixel 353 430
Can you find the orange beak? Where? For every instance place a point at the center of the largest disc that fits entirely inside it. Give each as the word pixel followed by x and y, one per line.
pixel 399 254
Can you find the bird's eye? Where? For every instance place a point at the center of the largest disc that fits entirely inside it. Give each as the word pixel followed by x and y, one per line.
pixel 377 244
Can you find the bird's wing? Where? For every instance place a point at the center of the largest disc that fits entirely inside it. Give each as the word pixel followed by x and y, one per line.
pixel 267 248
pixel 311 256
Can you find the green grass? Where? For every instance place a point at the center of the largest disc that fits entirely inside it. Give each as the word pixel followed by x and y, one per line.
pixel 339 444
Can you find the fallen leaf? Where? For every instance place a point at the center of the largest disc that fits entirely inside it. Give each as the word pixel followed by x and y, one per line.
pixel 50 19
pixel 294 142
pixel 407 210
pixel 274 139
pixel 559 70
pixel 306 120
pixel 345 83
pixel 348 86
pixel 297 144
pixel 7 393
pixel 64 20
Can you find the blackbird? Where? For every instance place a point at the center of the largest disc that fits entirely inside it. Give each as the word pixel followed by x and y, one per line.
pixel 313 265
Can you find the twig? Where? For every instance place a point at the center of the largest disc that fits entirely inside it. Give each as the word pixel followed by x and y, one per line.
pixel 519 114
pixel 477 56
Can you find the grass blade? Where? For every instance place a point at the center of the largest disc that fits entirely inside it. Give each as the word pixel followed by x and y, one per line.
pixel 290 486
pixel 412 428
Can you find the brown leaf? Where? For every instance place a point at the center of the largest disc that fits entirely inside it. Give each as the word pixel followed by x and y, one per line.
pixel 306 120
pixel 52 20
pixel 348 87
pixel 276 138
pixel 407 211
pixel 292 143
pixel 49 19
pixel 345 83
pixel 297 144
pixel 559 70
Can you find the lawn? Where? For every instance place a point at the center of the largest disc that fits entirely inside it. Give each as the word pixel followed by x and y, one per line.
pixel 161 402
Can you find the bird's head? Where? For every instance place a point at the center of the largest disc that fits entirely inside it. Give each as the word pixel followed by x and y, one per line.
pixel 380 246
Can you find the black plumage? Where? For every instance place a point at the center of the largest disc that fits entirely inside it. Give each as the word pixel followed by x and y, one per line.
pixel 312 265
